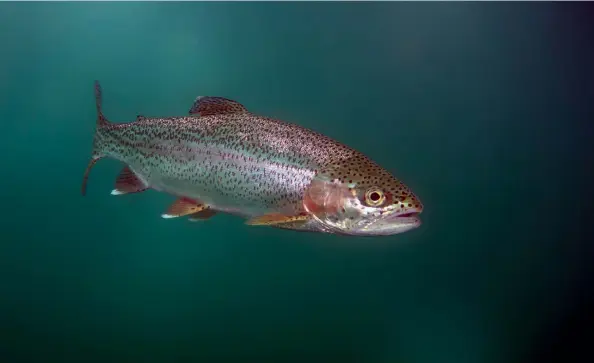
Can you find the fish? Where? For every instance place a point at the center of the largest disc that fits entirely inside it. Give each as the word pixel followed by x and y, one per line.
pixel 222 158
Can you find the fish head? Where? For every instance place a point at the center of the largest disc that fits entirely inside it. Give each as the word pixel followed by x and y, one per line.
pixel 358 197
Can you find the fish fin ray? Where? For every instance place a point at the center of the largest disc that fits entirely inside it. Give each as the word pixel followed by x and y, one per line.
pixel 100 122
pixel 276 218
pixel 183 207
pixel 212 105
pixel 86 174
pixel 202 215
pixel 127 182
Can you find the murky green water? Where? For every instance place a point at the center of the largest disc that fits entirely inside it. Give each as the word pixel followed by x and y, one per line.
pixel 482 109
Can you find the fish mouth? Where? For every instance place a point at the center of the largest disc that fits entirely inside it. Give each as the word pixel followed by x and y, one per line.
pixel 407 215
pixel 394 223
pixel 406 218
pixel 410 214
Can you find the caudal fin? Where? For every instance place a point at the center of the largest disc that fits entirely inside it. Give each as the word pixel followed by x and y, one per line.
pixel 101 121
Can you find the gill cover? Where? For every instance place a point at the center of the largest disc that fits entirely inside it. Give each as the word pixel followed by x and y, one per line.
pixel 333 197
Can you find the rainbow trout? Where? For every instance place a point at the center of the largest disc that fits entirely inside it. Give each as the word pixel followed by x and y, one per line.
pixel 223 158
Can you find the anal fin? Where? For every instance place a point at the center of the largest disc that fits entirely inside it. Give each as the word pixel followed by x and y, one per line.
pixel 183 207
pixel 202 215
pixel 276 218
pixel 127 182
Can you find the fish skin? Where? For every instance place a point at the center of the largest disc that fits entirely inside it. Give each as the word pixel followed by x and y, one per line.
pixel 241 163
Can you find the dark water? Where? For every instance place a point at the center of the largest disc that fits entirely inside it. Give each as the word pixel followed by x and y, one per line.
pixel 484 110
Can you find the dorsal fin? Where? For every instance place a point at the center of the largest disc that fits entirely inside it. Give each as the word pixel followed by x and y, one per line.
pixel 210 105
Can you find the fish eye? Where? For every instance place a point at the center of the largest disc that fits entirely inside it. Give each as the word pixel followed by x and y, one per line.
pixel 374 197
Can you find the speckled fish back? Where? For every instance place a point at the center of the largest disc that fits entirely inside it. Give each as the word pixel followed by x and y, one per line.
pixel 237 162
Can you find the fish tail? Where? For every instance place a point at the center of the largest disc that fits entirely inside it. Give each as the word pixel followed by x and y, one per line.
pixel 101 123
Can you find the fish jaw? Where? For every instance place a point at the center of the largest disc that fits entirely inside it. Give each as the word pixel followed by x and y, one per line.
pixel 381 225
pixel 391 225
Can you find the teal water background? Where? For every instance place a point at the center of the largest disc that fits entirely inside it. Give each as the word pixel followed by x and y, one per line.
pixel 482 109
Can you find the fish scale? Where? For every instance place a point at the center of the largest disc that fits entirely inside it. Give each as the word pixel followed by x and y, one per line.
pixel 202 157
pixel 224 158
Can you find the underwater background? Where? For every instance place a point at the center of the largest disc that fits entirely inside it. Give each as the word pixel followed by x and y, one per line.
pixel 483 109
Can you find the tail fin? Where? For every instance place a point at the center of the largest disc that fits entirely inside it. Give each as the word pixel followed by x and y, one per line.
pixel 101 121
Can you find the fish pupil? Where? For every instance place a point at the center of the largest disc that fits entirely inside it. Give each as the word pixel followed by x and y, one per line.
pixel 374 196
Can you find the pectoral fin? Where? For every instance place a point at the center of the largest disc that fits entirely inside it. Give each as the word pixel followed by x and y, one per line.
pixel 183 207
pixel 276 218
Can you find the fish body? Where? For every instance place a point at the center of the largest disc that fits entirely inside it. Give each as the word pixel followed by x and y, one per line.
pixel 223 158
